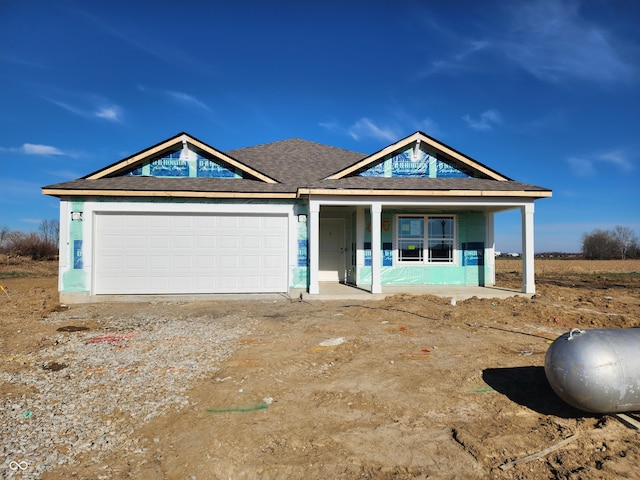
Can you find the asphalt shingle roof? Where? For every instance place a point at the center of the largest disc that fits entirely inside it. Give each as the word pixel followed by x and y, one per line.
pixel 296 161
pixel 295 164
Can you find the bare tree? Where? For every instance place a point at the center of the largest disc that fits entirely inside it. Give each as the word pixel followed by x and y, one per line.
pixel 4 231
pixel 50 231
pixel 625 238
pixel 621 242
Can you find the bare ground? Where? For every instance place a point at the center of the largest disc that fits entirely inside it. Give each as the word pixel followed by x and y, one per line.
pixel 418 389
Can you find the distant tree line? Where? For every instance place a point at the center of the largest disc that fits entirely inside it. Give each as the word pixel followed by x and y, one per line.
pixel 41 245
pixel 621 242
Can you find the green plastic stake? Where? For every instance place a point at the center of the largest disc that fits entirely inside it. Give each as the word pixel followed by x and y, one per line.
pixel 262 406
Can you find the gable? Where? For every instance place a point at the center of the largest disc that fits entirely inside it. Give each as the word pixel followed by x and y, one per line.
pixel 416 162
pixel 185 162
pixel 181 156
pixel 420 156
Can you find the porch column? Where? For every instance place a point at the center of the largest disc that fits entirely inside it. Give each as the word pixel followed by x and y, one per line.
pixel 528 278
pixel 490 251
pixel 314 247
pixel 359 240
pixel 376 252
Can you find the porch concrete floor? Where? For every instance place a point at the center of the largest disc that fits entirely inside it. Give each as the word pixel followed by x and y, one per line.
pixel 328 291
pixel 339 291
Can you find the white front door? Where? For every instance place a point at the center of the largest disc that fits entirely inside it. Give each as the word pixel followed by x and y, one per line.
pixel 332 249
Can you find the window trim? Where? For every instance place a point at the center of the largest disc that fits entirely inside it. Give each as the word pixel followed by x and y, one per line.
pixel 425 239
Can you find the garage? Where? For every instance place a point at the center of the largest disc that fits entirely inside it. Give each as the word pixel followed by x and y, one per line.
pixel 170 253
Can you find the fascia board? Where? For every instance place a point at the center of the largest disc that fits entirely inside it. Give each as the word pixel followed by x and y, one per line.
pixel 136 158
pixel 425 193
pixel 230 160
pixel 168 194
pixel 374 157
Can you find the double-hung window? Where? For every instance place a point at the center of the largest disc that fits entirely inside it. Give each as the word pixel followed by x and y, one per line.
pixel 426 239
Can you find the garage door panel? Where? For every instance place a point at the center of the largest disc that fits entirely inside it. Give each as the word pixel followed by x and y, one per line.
pixel 154 221
pixel 272 280
pixel 135 262
pixel 157 241
pixel 159 262
pixel 251 223
pixel 273 262
pixel 206 263
pixel 227 221
pixel 228 242
pixel 273 223
pixel 205 241
pixel 251 241
pixel 204 221
pixel 251 283
pixel 183 262
pixel 228 262
pixel 182 241
pixel 252 262
pixel 176 253
pixel 274 242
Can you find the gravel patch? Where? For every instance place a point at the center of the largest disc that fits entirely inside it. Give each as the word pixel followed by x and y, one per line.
pixel 93 388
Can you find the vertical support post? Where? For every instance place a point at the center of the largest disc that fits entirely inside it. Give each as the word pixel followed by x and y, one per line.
pixel 64 241
pixel 314 247
pixel 528 277
pixel 376 247
pixel 490 251
pixel 359 241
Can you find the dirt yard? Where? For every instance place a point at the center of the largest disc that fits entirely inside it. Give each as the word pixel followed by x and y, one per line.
pixel 410 387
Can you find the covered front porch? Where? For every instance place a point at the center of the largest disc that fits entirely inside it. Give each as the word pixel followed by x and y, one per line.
pixel 364 253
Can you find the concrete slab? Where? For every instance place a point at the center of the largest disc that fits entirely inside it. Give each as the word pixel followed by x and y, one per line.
pixel 338 291
pixel 328 291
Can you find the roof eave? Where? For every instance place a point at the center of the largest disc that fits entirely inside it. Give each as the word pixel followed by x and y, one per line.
pixel 55 192
pixel 304 192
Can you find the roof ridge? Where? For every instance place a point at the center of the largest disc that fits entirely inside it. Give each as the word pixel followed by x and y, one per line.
pixel 324 145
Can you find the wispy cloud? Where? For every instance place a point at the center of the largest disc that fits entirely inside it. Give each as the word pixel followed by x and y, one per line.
pixel 402 124
pixel 180 97
pixel 332 126
pixel 461 61
pixel 187 99
pixel 109 113
pixel 89 106
pixel 41 150
pixel 550 39
pixel 488 119
pixel 581 166
pixel 36 149
pixel 588 165
pixel 364 128
pixel 617 158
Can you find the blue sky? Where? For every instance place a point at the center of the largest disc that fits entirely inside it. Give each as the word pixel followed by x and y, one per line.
pixel 545 92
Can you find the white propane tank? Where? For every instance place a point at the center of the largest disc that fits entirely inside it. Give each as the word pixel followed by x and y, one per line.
pixel 596 370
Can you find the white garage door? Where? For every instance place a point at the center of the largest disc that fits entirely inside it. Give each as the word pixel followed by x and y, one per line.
pixel 194 253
